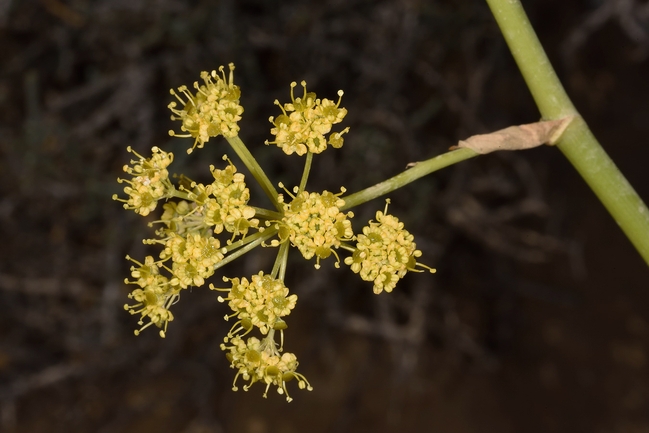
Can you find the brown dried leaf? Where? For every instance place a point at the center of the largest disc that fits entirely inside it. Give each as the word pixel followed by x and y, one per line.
pixel 517 137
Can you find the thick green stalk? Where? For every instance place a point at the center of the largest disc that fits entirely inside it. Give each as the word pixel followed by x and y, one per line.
pixel 577 143
pixel 251 163
pixel 420 169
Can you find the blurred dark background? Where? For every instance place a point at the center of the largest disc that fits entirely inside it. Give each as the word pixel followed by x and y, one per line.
pixel 536 321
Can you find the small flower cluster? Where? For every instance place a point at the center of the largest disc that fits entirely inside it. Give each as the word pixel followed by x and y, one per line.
pixel 150 181
pixel 260 303
pixel 187 235
pixel 385 252
pixel 213 110
pixel 260 361
pixel 305 121
pixel 154 295
pixel 315 225
pixel 224 203
pixel 193 257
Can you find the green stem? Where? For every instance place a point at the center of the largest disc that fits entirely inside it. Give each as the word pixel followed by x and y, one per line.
pixel 420 169
pixel 282 268
pixel 265 235
pixel 305 173
pixel 245 241
pixel 267 214
pixel 178 194
pixel 577 143
pixel 279 268
pixel 256 170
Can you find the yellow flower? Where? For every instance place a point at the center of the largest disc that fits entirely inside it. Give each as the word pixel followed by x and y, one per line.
pixel 232 195
pixel 154 168
pixel 213 110
pixel 189 274
pixel 143 199
pixel 150 181
pixel 214 207
pixel 385 252
pixel 153 302
pixel 263 301
pixel 304 122
pixel 260 361
pixel 315 225
pixel 146 273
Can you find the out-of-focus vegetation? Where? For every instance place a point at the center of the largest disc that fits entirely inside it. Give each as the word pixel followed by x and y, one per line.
pixel 536 321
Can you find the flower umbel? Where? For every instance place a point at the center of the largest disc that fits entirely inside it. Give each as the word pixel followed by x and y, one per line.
pixel 314 224
pixel 385 252
pixel 213 110
pixel 204 226
pixel 150 181
pixel 154 297
pixel 261 302
pixel 260 361
pixel 304 122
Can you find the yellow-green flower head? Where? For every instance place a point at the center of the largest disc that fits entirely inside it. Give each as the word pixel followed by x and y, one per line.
pixel 193 255
pixel 259 361
pixel 216 206
pixel 173 215
pixel 150 181
pixel 223 203
pixel 385 252
pixel 145 273
pixel 261 302
pixel 314 224
pixel 153 302
pixel 202 251
pixel 153 169
pixel 305 122
pixel 232 195
pixel 213 110
pixel 143 199
pixel 189 274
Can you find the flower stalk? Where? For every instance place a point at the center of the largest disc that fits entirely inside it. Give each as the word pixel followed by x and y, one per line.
pixel 255 169
pixel 578 144
pixel 420 169
pixel 305 173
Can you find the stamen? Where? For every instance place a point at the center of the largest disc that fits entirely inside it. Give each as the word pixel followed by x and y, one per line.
pixel 293 84
pixel 198 88
pixel 340 97
pixel 177 97
pixel 281 185
pixel 303 83
pixel 385 210
pixel 231 80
